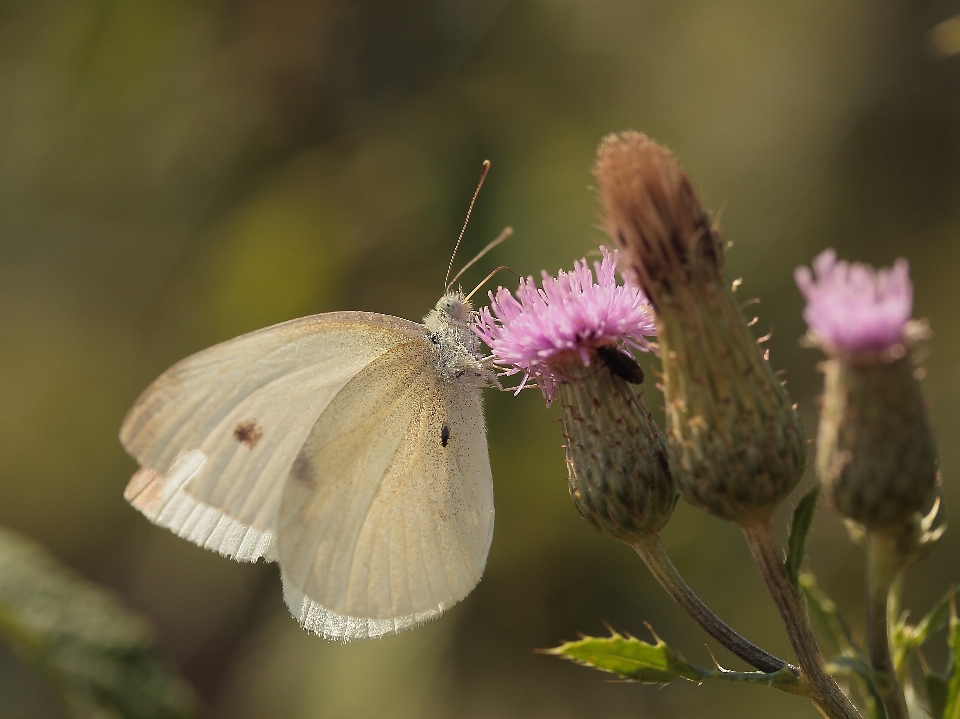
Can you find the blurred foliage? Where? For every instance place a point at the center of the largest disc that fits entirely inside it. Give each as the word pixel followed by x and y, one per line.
pixel 800 524
pixel 951 704
pixel 906 642
pixel 173 173
pixel 97 655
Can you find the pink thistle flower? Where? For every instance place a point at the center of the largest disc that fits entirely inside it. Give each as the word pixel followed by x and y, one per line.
pixel 853 307
pixel 572 314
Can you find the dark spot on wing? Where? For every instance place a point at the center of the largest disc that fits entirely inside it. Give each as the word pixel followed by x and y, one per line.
pixel 248 432
pixel 302 471
pixel 444 435
pixel 621 364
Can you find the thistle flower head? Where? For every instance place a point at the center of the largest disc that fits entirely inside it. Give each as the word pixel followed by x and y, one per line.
pixel 566 336
pixel 876 454
pixel 574 314
pixel 854 308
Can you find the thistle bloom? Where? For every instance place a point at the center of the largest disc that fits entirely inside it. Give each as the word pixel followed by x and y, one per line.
pixel 566 336
pixel 572 313
pixel 875 451
pixel 876 456
pixel 853 307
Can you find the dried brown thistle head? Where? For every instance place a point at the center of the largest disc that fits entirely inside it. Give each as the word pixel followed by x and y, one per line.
pixel 654 214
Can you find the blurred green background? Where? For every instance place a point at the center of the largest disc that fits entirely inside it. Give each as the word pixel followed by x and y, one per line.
pixel 175 173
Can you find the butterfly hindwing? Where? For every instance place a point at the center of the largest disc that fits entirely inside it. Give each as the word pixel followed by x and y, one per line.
pixel 388 514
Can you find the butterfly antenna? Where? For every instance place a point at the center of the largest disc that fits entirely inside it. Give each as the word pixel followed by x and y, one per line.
pixel 483 176
pixel 507 232
pixel 488 277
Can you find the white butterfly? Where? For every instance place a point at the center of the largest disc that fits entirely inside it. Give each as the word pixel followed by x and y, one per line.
pixel 348 447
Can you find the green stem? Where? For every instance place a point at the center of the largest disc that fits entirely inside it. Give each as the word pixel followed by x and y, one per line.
pixel 654 555
pixel 894 607
pixel 825 693
pixel 882 570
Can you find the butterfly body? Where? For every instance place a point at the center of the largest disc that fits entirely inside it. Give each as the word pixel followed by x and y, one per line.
pixel 349 447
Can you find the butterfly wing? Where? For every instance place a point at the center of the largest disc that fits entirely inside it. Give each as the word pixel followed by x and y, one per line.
pixel 217 433
pixel 387 517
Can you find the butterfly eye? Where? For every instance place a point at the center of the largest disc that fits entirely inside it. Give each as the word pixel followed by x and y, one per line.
pixel 454 307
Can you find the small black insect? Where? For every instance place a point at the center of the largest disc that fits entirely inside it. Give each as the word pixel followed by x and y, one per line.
pixel 621 364
pixel 444 435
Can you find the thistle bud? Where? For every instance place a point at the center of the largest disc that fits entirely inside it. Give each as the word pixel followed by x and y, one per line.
pixel 570 337
pixel 735 442
pixel 618 474
pixel 876 454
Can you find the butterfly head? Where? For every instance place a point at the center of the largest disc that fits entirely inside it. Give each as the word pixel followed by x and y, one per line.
pixel 455 307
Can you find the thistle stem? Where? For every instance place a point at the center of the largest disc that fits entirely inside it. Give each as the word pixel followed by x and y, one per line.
pixel 825 693
pixel 882 571
pixel 654 555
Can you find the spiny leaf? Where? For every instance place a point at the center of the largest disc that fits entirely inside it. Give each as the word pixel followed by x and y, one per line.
pixel 799 527
pixel 639 661
pixel 627 657
pixel 96 653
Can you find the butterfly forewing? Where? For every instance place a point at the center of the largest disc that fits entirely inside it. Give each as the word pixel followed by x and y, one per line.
pixel 388 513
pixel 217 433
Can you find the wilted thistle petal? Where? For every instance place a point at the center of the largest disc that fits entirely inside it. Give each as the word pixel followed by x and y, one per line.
pixel 569 336
pixel 876 454
pixel 736 444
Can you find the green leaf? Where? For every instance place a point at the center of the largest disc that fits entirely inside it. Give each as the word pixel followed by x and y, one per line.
pixel 905 638
pixel 799 527
pixel 636 660
pixel 96 653
pixel 933 622
pixel 952 708
pixel 627 657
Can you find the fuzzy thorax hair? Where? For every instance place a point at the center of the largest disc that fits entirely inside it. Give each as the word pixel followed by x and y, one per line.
pixel 458 348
